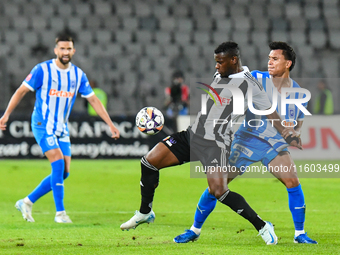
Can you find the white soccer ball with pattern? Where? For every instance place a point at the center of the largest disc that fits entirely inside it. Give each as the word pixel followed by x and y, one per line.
pixel 150 120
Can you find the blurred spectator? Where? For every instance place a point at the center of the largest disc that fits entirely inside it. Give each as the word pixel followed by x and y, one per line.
pixel 324 101
pixel 101 94
pixel 177 96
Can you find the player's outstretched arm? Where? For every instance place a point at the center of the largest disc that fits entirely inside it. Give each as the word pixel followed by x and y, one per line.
pixel 289 134
pixel 101 111
pixel 15 100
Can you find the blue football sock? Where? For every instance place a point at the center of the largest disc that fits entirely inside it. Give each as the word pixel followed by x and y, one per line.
pixel 66 174
pixel 297 206
pixel 205 206
pixel 43 188
pixel 57 184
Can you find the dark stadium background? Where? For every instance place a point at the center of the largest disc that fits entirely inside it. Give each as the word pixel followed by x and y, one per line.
pixel 132 47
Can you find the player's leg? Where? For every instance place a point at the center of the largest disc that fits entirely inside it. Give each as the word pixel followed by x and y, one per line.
pixel 45 186
pixel 296 200
pixel 205 206
pixel 47 143
pixel 218 186
pixel 65 147
pixel 239 156
pixel 173 150
pixel 56 158
pixel 159 157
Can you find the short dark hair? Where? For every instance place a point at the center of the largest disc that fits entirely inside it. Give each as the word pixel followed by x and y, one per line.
pixel 231 48
pixel 287 51
pixel 64 38
pixel 178 74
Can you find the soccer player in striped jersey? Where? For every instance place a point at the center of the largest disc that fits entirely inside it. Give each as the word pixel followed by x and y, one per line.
pixel 209 143
pixel 261 142
pixel 56 83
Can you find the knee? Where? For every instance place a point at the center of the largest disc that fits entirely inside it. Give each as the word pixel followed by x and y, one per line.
pixel 154 161
pixel 291 183
pixel 217 190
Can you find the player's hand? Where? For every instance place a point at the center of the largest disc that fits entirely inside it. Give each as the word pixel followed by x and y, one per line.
pixel 115 132
pixel 297 145
pixel 3 122
pixel 290 132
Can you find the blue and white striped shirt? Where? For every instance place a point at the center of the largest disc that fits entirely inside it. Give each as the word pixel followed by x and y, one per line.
pixel 264 128
pixel 56 91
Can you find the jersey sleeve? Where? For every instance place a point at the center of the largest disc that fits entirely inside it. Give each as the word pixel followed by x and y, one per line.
pixel 85 89
pixel 34 79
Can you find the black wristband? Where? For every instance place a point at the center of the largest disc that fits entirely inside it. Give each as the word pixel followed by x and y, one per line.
pixel 289 139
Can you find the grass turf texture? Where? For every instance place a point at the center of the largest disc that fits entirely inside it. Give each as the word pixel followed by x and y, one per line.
pixel 102 194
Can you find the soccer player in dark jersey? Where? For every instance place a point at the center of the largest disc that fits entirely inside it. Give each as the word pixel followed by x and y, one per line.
pixel 208 143
pixel 253 144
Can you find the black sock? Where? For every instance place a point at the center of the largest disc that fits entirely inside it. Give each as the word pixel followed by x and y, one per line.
pixel 239 205
pixel 148 183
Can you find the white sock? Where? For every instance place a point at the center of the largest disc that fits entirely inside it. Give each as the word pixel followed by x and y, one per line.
pixel 299 232
pixel 60 213
pixel 27 201
pixel 196 230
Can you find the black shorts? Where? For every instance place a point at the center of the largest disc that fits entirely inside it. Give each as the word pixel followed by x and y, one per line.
pixel 185 151
pixel 179 144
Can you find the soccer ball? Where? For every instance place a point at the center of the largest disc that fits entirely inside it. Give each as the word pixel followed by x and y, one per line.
pixel 149 120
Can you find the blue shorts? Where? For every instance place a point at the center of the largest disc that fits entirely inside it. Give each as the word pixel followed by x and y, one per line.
pixel 248 149
pixel 49 142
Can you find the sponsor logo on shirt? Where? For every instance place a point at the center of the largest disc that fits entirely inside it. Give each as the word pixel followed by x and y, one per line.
pixel 56 93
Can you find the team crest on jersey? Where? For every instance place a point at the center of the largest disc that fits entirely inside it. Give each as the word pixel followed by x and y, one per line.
pixel 73 84
pixel 50 141
pixel 28 78
pixel 291 113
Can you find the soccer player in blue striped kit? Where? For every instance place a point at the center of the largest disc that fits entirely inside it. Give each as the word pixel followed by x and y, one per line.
pixel 252 144
pixel 56 83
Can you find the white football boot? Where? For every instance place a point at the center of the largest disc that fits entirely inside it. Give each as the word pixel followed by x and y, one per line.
pixel 137 219
pixel 25 209
pixel 267 233
pixel 62 218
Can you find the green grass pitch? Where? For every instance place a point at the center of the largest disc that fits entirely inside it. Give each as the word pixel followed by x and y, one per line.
pixel 102 194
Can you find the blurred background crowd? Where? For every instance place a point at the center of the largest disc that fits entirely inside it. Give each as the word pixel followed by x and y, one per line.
pixel 144 52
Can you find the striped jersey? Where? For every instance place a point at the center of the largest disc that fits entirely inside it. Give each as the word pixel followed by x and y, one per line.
pixel 259 125
pixel 216 125
pixel 56 91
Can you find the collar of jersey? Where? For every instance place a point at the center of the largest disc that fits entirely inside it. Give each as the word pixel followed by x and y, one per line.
pixel 240 74
pixel 59 69
pixel 290 79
